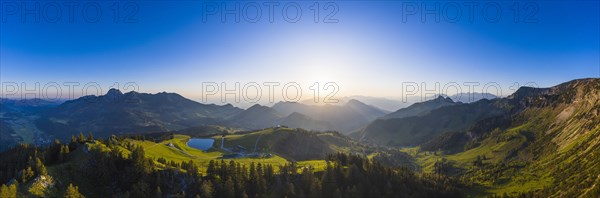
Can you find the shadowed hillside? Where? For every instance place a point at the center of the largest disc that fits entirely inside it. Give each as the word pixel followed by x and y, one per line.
pixel 118 113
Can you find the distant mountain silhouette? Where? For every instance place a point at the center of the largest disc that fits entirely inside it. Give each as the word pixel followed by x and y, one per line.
pixel 256 117
pixel 422 108
pixel 259 117
pixel 469 97
pixel 117 113
pixel 343 118
pixel 414 130
pixel 385 104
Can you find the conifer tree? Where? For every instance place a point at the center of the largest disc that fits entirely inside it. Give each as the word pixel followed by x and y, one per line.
pixel 73 143
pixel 73 192
pixel 81 138
pixel 40 168
pixel 90 136
pixel 206 189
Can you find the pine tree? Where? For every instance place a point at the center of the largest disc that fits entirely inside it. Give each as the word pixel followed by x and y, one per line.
pixel 40 168
pixel 53 152
pixel 73 192
pixel 252 180
pixel 158 192
pixel 27 174
pixel 64 153
pixel 140 189
pixel 229 188
pixel 90 137
pixel 139 159
pixel 210 171
pixel 6 191
pixel 81 138
pixel 73 144
pixel 206 189
pixel 337 193
pixel 13 188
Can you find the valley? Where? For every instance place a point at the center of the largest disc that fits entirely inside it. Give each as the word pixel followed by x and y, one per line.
pixel 537 142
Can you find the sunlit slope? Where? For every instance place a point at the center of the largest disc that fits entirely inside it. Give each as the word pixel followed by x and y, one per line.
pixel 549 144
pixel 181 152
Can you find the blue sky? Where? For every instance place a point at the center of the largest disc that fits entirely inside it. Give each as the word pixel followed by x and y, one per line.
pixel 372 49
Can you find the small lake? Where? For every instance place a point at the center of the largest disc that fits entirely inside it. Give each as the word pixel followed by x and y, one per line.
pixel 201 143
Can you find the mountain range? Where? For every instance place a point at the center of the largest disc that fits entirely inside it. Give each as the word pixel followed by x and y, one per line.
pixel 469 97
pixel 386 104
pixel 343 118
pixel 536 140
pixel 118 113
pixel 38 121
pixel 421 108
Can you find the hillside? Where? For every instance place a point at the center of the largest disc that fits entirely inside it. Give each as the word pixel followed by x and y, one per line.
pixel 546 144
pixel 165 166
pixel 17 121
pixel 414 130
pixel 256 117
pixel 469 97
pixel 421 108
pixel 118 113
pixel 259 117
pixel 298 120
pixel 294 144
pixel 343 118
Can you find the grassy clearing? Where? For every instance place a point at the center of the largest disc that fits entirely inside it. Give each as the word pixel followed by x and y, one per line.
pixel 317 165
pixel 181 152
pixel 496 150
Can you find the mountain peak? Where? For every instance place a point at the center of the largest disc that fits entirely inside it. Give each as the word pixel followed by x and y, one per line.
pixel 113 92
pixel 354 102
pixel 256 106
pixel 441 98
pixel 285 103
pixel 422 108
pixel 297 115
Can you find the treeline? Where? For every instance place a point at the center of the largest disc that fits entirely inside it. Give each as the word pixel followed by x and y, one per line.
pixel 344 176
pixel 117 168
pixel 23 163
